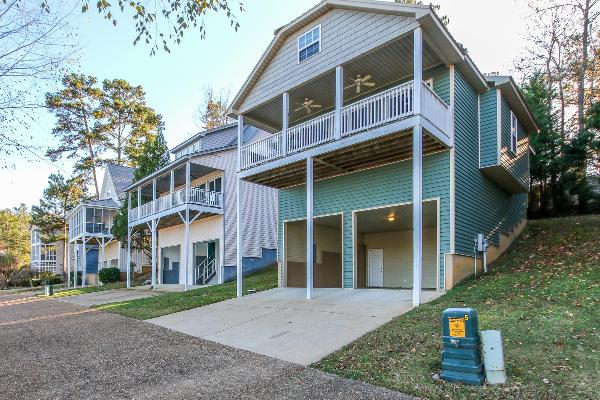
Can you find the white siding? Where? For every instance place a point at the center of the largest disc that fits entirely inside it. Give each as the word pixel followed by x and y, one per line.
pixel 345 34
pixel 259 210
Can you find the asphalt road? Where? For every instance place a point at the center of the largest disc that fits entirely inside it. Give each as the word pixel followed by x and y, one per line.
pixel 55 350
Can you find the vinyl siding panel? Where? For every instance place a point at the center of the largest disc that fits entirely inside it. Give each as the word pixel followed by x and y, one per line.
pixel 481 206
pixel 516 164
pixel 488 128
pixel 345 34
pixel 390 184
pixel 259 210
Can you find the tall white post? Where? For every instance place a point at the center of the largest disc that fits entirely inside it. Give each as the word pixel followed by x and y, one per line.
pixel 310 254
pixel 285 122
pixel 83 263
pixel 417 212
pixel 417 169
pixel 171 186
pixel 186 255
pixel 75 263
pixel 154 195
pixel 339 101
pixel 68 263
pixel 139 202
pixel 238 204
pixel 153 228
pixel 128 266
pixel 417 69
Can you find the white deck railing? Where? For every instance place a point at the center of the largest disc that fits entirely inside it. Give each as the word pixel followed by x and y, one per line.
pixel 311 133
pixel 435 109
pixel 379 109
pixel 166 202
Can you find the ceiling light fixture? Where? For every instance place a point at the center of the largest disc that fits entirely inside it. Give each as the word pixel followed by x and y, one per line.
pixel 391 218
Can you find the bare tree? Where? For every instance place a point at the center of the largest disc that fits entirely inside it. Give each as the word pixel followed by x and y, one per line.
pixel 212 112
pixel 35 44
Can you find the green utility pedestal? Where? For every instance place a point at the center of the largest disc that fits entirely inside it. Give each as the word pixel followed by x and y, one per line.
pixel 461 357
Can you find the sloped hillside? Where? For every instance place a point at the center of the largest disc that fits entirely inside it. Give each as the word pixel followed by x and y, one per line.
pixel 543 294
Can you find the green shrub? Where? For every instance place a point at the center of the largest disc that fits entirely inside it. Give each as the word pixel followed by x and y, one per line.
pixel 20 277
pixel 109 275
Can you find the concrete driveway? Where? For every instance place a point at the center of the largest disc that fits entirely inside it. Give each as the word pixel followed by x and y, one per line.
pixel 281 323
pixel 106 296
pixel 56 350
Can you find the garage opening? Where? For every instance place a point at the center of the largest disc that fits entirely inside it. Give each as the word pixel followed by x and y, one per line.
pixel 328 252
pixel 383 249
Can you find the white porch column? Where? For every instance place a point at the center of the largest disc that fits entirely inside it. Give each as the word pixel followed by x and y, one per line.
pixel 310 254
pixel 186 255
pixel 171 187
pixel 417 212
pixel 153 231
pixel 139 202
pixel 83 263
pixel 238 205
pixel 68 263
pixel 285 121
pixel 128 266
pixel 186 249
pixel 154 195
pixel 417 69
pixel 76 261
pixel 339 100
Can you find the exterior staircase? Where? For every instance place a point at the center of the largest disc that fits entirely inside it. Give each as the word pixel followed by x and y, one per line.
pixel 205 271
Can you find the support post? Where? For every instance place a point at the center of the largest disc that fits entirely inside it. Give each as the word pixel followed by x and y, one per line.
pixel 285 121
pixel 153 231
pixel 171 187
pixel 417 162
pixel 128 266
pixel 154 195
pixel 238 205
pixel 76 261
pixel 83 264
pixel 139 202
pixel 186 249
pixel 310 253
pixel 417 69
pixel 339 101
pixel 68 264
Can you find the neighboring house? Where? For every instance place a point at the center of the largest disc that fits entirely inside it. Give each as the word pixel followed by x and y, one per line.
pixel 190 205
pixel 90 225
pixel 388 140
pixel 45 257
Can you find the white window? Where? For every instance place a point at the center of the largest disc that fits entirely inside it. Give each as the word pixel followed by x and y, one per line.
pixel 309 43
pixel 513 132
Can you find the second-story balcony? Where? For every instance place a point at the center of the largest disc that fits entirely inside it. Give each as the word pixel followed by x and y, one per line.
pixel 174 201
pixel 376 110
pixel 168 193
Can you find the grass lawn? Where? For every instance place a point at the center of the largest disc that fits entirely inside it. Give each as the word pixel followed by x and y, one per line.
pixel 169 303
pixel 543 294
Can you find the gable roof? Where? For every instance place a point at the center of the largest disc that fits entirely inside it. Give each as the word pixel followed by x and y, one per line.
pixel 450 51
pixel 512 94
pixel 121 175
pixel 220 138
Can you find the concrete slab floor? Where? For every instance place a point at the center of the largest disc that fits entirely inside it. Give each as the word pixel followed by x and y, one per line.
pixel 282 323
pixel 105 297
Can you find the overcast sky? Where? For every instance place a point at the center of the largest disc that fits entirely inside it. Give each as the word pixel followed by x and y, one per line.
pixel 491 30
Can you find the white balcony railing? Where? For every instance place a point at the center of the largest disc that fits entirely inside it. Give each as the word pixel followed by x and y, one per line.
pixel 379 109
pixel 311 133
pixel 164 203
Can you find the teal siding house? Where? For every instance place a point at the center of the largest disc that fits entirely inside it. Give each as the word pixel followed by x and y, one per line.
pixel 398 164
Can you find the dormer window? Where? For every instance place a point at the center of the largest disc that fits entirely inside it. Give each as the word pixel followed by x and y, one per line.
pixel 309 43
